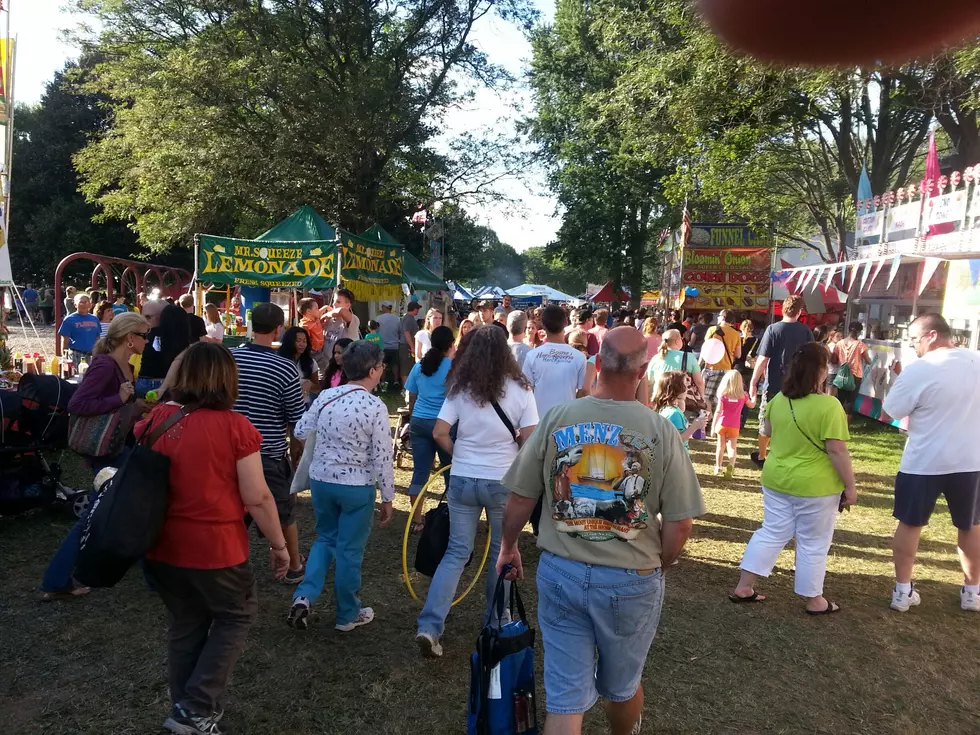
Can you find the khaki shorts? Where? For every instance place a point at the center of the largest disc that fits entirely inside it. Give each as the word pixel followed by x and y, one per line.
pixel 765 427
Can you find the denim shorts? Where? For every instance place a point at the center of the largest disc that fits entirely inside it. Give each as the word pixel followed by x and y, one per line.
pixel 583 608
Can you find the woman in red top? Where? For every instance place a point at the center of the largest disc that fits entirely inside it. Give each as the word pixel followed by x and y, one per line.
pixel 199 564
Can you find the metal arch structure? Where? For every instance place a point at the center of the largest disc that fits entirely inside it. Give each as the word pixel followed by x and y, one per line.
pixel 168 279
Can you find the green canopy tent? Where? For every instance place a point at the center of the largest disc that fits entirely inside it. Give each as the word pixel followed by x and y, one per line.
pixel 415 272
pixel 305 224
pixel 305 252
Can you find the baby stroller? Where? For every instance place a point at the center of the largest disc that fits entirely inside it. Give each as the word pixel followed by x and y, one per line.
pixel 33 428
pixel 402 436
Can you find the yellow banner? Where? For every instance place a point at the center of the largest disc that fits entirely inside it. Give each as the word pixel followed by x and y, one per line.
pixel 6 64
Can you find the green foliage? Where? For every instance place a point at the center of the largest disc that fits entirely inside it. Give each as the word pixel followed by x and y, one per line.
pixel 639 104
pixel 228 115
pixel 49 217
pixel 610 189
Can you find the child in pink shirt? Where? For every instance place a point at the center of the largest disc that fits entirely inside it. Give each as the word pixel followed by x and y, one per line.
pixel 728 419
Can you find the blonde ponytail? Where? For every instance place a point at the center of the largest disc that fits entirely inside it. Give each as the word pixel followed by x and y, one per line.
pixel 120 326
pixel 669 336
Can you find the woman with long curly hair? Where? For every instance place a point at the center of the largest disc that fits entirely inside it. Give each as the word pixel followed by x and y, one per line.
pixel 491 402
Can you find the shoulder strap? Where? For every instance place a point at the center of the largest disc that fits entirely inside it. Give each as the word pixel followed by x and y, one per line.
pixel 793 414
pixel 164 427
pixel 720 334
pixel 506 421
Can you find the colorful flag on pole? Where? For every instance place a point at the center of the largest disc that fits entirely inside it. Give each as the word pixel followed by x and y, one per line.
pixel 933 174
pixel 864 192
pixel 6 62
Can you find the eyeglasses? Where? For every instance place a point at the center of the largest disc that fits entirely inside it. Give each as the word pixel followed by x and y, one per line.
pixel 144 335
pixel 913 341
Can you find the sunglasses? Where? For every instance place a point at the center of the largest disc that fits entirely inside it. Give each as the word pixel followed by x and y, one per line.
pixel 144 335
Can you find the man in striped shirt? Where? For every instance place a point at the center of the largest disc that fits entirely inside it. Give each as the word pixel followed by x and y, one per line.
pixel 271 397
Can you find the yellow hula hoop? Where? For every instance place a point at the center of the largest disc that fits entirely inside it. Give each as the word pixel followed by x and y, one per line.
pixel 408 528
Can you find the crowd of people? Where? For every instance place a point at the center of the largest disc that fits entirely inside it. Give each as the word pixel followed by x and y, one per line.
pixel 577 423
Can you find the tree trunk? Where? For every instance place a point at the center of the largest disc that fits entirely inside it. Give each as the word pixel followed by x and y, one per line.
pixel 617 255
pixel 636 251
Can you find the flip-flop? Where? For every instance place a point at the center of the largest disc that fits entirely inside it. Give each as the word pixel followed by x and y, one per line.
pixel 832 607
pixel 754 597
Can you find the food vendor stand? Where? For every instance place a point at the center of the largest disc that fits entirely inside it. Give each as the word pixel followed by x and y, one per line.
pixel 721 266
pixel 302 253
pixel 918 252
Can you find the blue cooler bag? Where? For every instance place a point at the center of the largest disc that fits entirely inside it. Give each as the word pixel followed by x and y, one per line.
pixel 502 700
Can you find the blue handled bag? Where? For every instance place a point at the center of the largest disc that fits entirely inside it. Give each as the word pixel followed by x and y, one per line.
pixel 502 697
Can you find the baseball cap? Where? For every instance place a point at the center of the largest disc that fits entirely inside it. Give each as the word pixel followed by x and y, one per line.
pixel 386 305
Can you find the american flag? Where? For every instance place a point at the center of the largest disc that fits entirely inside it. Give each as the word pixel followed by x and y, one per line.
pixel 685 227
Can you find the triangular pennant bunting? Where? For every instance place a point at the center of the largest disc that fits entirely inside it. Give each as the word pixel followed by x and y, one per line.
pixel 807 275
pixel 894 269
pixel 851 276
pixel 865 274
pixel 830 275
pixel 874 274
pixel 928 269
pixel 817 277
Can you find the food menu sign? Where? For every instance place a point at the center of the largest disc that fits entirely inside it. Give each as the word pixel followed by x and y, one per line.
pixel 729 265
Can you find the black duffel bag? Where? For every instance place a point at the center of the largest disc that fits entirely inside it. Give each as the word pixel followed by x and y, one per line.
pixel 128 513
pixel 434 539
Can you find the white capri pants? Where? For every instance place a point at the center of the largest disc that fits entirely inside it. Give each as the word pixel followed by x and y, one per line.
pixel 811 521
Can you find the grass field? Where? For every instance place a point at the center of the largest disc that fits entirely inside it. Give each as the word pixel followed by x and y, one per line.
pixel 97 665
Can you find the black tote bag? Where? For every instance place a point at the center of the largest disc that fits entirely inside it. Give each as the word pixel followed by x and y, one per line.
pixel 127 516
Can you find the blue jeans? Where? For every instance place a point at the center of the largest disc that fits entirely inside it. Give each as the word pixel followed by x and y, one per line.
pixel 424 450
pixel 585 607
pixel 144 385
pixel 344 514
pixel 467 497
pixel 58 576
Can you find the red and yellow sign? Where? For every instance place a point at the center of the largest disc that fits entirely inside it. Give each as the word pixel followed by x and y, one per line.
pixel 732 278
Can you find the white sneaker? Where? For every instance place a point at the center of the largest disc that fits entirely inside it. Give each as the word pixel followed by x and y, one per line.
pixel 428 645
pixel 365 616
pixel 902 602
pixel 969 600
pixel 717 470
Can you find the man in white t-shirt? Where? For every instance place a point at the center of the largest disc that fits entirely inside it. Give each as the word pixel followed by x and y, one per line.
pixel 556 370
pixel 940 395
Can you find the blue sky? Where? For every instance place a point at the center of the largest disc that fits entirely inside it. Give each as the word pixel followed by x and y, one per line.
pixel 41 52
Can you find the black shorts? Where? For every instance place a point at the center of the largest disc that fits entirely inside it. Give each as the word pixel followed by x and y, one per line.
pixel 916 495
pixel 391 356
pixel 279 477
pixel 847 398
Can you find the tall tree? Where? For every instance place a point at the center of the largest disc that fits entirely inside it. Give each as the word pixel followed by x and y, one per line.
pixel 229 114
pixel 609 194
pixel 49 217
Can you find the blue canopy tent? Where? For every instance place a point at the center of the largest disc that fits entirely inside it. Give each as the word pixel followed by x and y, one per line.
pixel 489 292
pixel 459 291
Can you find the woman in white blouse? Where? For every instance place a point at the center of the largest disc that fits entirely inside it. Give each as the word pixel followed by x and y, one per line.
pixel 352 455
pixel 423 337
pixel 212 324
pixel 483 379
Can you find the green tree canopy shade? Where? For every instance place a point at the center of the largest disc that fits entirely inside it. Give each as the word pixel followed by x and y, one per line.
pixel 228 110
pixel 49 217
